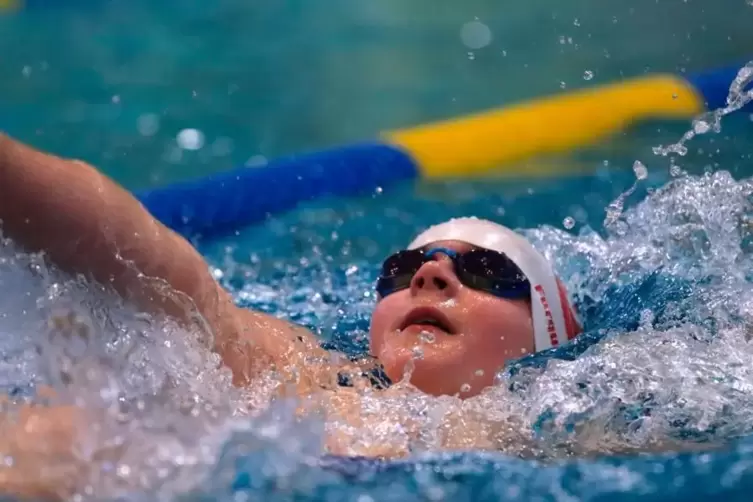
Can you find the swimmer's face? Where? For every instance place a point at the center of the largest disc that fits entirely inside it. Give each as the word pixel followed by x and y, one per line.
pixel 455 337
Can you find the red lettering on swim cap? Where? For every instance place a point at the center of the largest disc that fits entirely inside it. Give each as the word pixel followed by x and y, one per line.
pixel 572 328
pixel 551 330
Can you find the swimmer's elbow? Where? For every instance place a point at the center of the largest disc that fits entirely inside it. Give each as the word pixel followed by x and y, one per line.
pixel 85 223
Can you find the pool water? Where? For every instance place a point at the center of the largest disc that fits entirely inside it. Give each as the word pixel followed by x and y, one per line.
pixel 664 292
pixel 654 401
pixel 115 81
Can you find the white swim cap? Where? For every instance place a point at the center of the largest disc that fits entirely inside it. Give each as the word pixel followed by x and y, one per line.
pixel 554 320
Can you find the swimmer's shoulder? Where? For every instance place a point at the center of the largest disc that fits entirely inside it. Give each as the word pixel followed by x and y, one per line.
pixel 256 342
pixel 288 345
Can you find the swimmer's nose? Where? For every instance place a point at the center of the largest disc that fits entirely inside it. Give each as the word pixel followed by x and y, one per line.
pixel 436 276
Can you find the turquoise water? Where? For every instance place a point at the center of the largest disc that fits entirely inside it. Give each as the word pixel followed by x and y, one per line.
pixel 263 78
pixel 664 289
pixel 665 296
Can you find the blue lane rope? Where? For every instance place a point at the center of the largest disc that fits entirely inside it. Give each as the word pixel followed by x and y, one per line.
pixel 221 203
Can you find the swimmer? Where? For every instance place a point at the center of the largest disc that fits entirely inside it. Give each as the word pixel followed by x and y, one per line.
pixel 469 293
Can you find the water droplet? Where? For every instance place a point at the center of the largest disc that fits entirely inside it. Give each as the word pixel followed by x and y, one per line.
pixel 418 353
pixel 427 337
pixel 576 22
pixel 435 493
pixel 408 369
pixel 256 161
pixel 240 497
pixel 499 378
pixel 124 470
pixel 449 303
pixel 614 211
pixel 471 56
pixel 646 317
pixel 475 35
pixel 479 373
pixel 26 71
pixel 378 190
pixel 563 85
pixel 701 127
pixel 588 75
pixel 579 213
pixel 222 147
pixel 465 388
pixel 115 99
pixel 190 139
pixel 640 170
pixel 148 124
pixel 568 223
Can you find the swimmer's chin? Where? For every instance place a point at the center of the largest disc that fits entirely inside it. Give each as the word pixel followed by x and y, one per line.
pixel 401 350
pixel 403 363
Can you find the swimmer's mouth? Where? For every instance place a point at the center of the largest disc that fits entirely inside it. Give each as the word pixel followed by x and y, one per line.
pixel 428 317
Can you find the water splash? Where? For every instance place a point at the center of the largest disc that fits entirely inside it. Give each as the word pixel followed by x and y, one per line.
pixel 665 300
pixel 661 287
pixel 161 407
pixel 739 96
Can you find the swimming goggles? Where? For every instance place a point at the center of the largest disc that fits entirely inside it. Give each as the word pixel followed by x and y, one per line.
pixel 481 269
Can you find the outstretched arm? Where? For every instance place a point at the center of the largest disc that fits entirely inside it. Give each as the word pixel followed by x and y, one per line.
pixel 85 223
